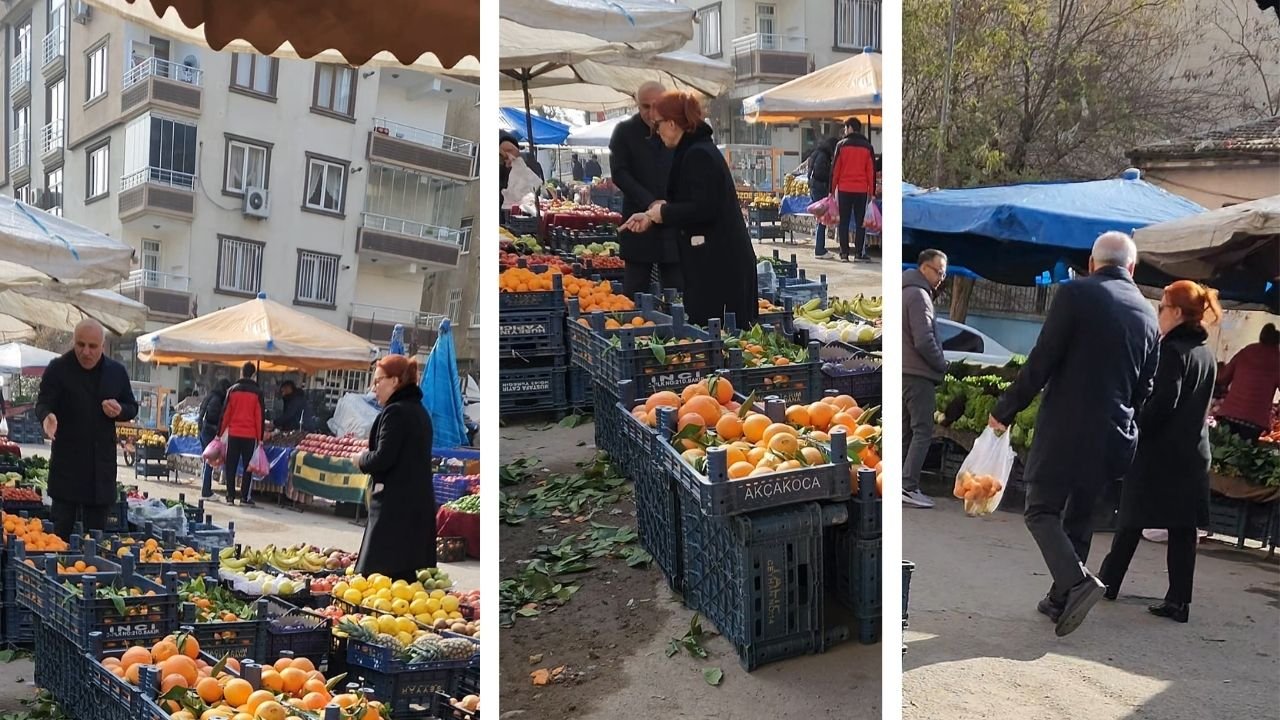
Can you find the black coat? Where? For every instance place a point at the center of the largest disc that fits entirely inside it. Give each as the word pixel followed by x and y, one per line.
pixel 82 456
pixel 820 171
pixel 1095 360
pixel 291 407
pixel 720 272
pixel 1168 485
pixel 210 417
pixel 401 535
pixel 637 168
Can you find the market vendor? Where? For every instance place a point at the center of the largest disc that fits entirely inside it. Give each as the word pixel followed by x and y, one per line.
pixel 290 417
pixel 83 394
pixel 1251 379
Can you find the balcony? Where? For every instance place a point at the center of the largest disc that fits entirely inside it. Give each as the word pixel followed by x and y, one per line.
pixel 157 191
pixel 163 85
pixel 51 144
pixel 20 77
pixel 399 240
pixel 55 52
pixel 764 58
pixel 375 324
pixel 20 153
pixel 167 297
pixel 422 150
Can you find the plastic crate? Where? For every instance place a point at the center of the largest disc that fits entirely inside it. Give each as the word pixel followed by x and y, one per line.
pixel 310 639
pixel 410 693
pixel 529 302
pixel 1240 520
pixel 241 639
pixel 451 487
pixel 758 577
pixel 867 630
pixel 797 383
pixel 30 581
pixel 782 268
pixel 866 515
pixel 116 698
pixel 361 654
pixel 61 669
pixel 908 569
pixel 525 388
pixel 520 225
pixel 857 573
pixel 183 571
pixel 588 336
pixel 632 358
pixel 801 289
pixel 717 495
pixel 147 618
pixel 207 536
pixel 445 710
pixel 534 333
pixel 19 626
pixel 580 388
pixel 590 269
pixel 608 428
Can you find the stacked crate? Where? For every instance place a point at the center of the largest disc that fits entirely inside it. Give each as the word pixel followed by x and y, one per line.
pixel 856 570
pixel 532 371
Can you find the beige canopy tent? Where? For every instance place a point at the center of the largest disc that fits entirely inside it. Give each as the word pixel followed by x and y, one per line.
pixel 1201 246
pixel 62 309
pixel 278 337
pixel 849 88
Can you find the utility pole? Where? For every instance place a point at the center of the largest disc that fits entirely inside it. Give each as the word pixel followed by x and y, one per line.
pixel 944 114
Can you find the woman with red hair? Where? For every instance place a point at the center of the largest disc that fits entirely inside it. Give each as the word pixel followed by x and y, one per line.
pixel 400 538
pixel 1168 484
pixel 716 256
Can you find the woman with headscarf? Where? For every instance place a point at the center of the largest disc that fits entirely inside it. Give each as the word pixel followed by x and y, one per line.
pixel 1167 485
pixel 208 420
pixel 400 537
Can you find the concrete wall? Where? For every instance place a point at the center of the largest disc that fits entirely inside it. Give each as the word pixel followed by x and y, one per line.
pixel 1214 184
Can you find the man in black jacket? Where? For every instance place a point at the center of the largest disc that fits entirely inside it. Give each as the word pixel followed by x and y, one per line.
pixel 292 404
pixel 83 394
pixel 592 170
pixel 640 168
pixel 1095 359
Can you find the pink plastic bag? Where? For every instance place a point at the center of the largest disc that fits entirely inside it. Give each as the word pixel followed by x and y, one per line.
pixel 259 466
pixel 873 222
pixel 215 453
pixel 824 209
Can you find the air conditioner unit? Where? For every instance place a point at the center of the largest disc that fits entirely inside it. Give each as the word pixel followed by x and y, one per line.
pixel 257 202
pixel 82 12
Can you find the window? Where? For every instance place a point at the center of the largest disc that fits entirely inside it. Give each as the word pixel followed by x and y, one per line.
pixel 98 167
pixel 254 73
pixel 151 263
pixel 335 90
pixel 96 67
pixel 419 198
pixel 239 265
pixel 55 103
pixel 857 24
pixel 52 200
pixel 247 166
pixel 326 184
pixel 709 30
pixel 20 150
pixel 454 308
pixel 464 241
pixel 23 193
pixel 160 150
pixel 766 17
pixel 475 311
pixel 317 282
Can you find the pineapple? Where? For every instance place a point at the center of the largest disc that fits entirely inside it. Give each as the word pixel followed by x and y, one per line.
pixel 457 649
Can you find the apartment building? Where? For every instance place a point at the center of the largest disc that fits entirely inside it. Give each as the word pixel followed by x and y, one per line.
pixel 348 193
pixel 769 43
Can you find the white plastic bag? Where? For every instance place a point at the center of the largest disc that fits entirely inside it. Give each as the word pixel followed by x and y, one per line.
pixel 4 427
pixel 766 280
pixel 142 511
pixel 520 183
pixel 354 415
pixel 984 473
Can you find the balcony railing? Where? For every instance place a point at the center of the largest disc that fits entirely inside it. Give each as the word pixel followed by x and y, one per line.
pixel 770 56
pixel 156 280
pixel 19 151
pixel 158 176
pixel 410 228
pixel 396 316
pixel 162 293
pixel 55 44
pixel 444 142
pixel 51 137
pixel 155 67
pixel 423 150
pixel 20 69
pixel 766 41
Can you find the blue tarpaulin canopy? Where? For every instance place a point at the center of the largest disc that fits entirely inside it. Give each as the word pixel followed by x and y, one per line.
pixel 442 393
pixel 545 132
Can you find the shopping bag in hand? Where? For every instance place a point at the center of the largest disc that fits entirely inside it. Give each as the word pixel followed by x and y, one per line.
pixel 215 453
pixel 823 210
pixel 984 473
pixel 873 221
pixel 259 466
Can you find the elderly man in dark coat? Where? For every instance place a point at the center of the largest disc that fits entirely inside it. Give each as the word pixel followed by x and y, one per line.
pixel 83 394
pixel 640 167
pixel 1095 359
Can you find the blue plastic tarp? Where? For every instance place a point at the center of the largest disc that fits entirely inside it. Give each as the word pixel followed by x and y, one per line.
pixel 442 393
pixel 1065 215
pixel 545 132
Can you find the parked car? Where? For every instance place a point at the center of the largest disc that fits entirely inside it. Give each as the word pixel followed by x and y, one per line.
pixel 963 343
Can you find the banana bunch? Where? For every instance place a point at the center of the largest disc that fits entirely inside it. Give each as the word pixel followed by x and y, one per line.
pixel 151 439
pixel 227 560
pixel 866 307
pixel 301 558
pixel 795 186
pixel 813 313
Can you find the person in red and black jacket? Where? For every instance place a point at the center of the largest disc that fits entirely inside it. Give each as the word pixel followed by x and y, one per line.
pixel 242 419
pixel 853 181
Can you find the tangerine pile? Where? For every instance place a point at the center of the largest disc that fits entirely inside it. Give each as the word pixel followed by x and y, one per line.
pixel 518 279
pixel 31 532
pixel 755 445
pixel 592 295
pixel 613 323
pixel 288 686
pixel 151 552
pixel 977 491
pixel 75 568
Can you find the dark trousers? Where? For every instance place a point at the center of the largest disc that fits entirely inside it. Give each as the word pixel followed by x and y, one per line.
pixel 1060 518
pixel 64 515
pixel 638 277
pixel 207 488
pixel 1248 431
pixel 918 403
pixel 852 205
pixel 1180 557
pixel 239 455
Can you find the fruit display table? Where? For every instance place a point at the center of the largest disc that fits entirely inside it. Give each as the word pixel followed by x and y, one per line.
pixel 452 523
pixel 329 477
pixel 183 445
pixel 796 204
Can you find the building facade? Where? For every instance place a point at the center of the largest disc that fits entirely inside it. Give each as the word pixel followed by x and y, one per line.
pixel 348 193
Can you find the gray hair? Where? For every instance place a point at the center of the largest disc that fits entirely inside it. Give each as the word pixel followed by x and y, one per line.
pixel 930 254
pixel 91 324
pixel 1114 248
pixel 650 85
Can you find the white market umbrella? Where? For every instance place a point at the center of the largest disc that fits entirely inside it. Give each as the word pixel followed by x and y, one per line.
pixel 37 248
pixel 595 134
pixel 1199 246
pixel 852 87
pixel 13 329
pixel 16 357
pixel 660 23
pixel 59 308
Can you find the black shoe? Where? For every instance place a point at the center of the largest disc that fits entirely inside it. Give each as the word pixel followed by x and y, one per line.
pixel 1049 608
pixel 1112 592
pixel 1177 612
pixel 844 258
pixel 1080 600
pixel 248 503
pixel 229 500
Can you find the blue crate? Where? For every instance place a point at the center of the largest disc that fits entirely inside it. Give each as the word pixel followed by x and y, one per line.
pixel 536 333
pixel 656 495
pixel 30 582
pixel 857 573
pixel 539 301
pixel 61 669
pixel 625 354
pixel 147 618
pixel 19 626
pixel 361 654
pixel 450 487
pixel 116 699
pixel 524 388
pixel 408 693
pixel 608 427
pixel 580 388
pixel 867 630
pixel 795 384
pixel 302 633
pixel 759 577
pixel 866 516
pixel 210 537
pixel 782 268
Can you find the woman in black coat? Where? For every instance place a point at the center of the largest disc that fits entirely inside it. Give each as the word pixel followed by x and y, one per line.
pixel 719 264
pixel 1168 484
pixel 400 538
pixel 209 420
pixel 820 186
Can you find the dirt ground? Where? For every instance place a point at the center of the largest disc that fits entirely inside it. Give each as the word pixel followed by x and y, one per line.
pixel 613 634
pixel 259 526
pixel 978 650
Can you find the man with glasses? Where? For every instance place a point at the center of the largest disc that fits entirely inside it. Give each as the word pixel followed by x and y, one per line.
pixel 640 167
pixel 923 367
